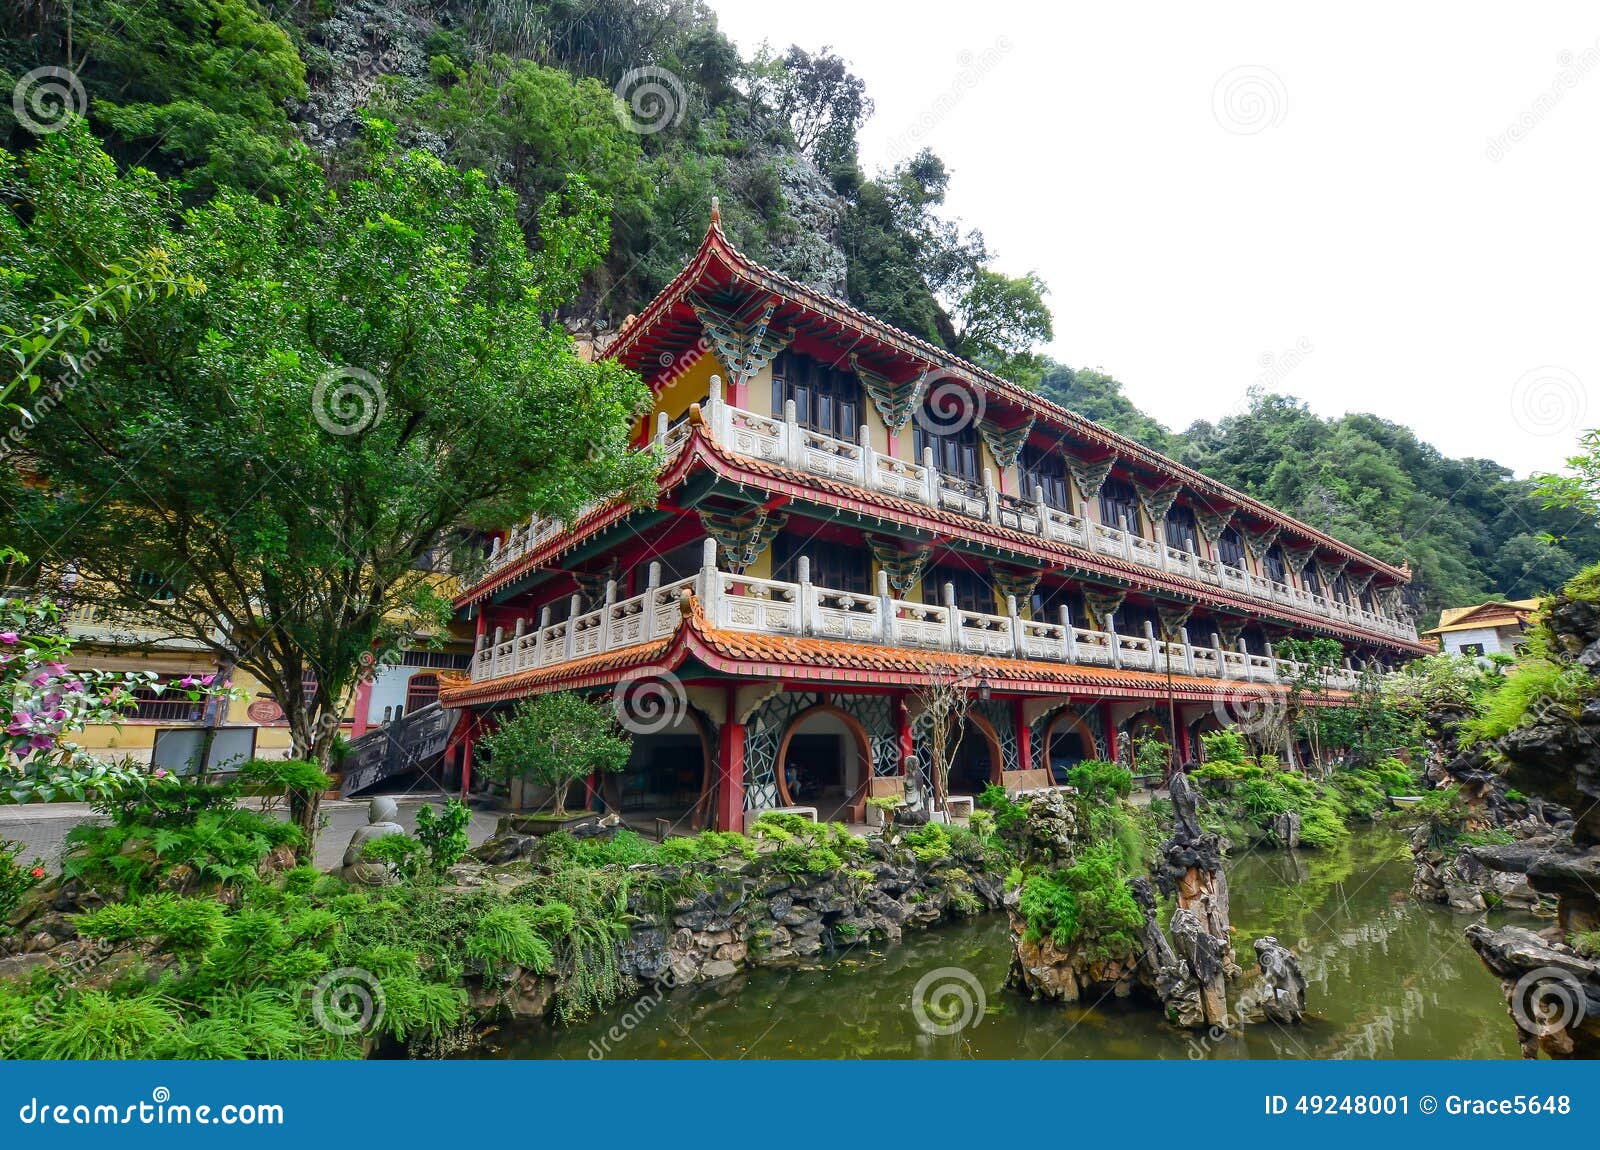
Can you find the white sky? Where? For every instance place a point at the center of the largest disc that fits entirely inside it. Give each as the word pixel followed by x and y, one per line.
pixel 1433 284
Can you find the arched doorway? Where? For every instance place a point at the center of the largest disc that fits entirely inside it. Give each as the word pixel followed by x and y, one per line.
pixel 671 774
pixel 1204 725
pixel 1139 729
pixel 1068 741
pixel 824 761
pixel 978 760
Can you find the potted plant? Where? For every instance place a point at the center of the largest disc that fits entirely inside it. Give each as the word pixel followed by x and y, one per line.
pixel 553 741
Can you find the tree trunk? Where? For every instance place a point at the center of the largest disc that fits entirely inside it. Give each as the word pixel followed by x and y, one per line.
pixel 314 743
pixel 561 798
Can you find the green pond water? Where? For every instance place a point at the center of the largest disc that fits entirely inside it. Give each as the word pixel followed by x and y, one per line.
pixel 1388 978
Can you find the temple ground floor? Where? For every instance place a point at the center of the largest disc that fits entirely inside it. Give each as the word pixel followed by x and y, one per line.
pixel 721 752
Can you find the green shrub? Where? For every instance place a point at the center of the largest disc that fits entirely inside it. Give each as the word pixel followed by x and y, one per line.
pixel 1223 747
pixel 1088 905
pixel 1587 944
pixel 402 852
pixel 1008 813
pixel 444 836
pixel 280 776
pixel 16 879
pixel 1101 780
pixel 930 843
pixel 508 937
pixel 1321 826
pixel 173 922
pixel 222 844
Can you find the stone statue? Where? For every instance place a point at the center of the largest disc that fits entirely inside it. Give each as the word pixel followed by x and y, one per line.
pixel 383 814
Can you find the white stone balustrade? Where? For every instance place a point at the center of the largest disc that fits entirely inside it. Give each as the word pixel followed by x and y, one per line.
pixel 784 441
pixel 734 602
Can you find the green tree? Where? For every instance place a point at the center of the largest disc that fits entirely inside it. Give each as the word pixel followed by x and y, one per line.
pixel 370 373
pixel 555 740
pixel 194 88
pixel 1001 320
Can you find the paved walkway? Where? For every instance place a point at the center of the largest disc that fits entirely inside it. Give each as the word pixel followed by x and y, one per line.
pixel 42 827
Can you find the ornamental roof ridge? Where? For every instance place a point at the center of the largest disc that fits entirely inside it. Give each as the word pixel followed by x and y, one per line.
pixel 716 245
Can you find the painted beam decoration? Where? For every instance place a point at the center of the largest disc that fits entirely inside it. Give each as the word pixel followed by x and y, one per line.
pixel 1259 542
pixel 1212 524
pixel 1229 631
pixel 1005 444
pixel 1294 558
pixel 1102 605
pixel 741 539
pixel 1090 477
pixel 1330 572
pixel 742 347
pixel 1173 616
pixel 1010 581
pixel 904 568
pixel 1156 502
pixel 894 402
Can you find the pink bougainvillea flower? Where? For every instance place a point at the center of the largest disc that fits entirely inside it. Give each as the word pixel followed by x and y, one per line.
pixel 188 681
pixel 41 742
pixel 161 772
pixel 207 680
pixel 9 637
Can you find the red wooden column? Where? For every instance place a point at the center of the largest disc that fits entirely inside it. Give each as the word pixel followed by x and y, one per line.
pixel 1111 729
pixel 730 768
pixel 469 722
pixel 363 707
pixel 1024 736
pixel 908 740
pixel 1182 733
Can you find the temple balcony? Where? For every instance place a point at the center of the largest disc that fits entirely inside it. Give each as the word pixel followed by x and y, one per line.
pixel 786 443
pixel 734 602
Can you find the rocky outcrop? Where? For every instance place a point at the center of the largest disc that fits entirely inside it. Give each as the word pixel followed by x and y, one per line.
pixel 1553 992
pixel 1281 992
pixel 1188 971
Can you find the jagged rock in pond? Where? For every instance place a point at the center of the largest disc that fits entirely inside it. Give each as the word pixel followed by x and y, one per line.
pixel 1282 993
pixel 1552 992
pixel 1285 830
pixel 1193 868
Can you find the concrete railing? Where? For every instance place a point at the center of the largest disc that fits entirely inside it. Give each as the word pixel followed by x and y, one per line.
pixel 801 609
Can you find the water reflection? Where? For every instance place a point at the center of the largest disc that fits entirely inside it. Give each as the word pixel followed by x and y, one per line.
pixel 1387 978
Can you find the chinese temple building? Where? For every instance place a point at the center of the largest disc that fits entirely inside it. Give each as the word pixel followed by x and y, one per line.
pixel 849 515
